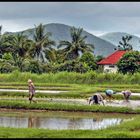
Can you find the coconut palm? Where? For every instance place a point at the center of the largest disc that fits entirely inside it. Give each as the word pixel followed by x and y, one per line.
pixel 41 41
pixel 18 45
pixel 53 56
pixel 4 45
pixel 72 49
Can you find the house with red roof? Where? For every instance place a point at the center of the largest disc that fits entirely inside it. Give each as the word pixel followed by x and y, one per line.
pixel 109 63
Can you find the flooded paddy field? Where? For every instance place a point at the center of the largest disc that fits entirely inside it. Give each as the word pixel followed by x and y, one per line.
pixel 60 120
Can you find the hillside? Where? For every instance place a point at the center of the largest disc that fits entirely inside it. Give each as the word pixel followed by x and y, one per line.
pixel 115 37
pixel 62 32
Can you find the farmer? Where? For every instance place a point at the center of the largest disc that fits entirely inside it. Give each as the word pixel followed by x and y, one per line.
pixel 31 90
pixel 96 99
pixel 109 93
pixel 127 94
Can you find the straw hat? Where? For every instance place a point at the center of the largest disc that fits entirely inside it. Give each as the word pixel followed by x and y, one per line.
pixel 29 81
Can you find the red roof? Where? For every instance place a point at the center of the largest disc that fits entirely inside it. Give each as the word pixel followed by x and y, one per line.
pixel 113 58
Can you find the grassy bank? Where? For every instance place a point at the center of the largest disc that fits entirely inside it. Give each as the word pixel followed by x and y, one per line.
pixel 129 129
pixel 72 78
pixel 68 95
pixel 55 106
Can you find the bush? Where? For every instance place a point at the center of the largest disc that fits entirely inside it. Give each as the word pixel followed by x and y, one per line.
pixel 89 60
pixel 47 68
pixel 34 66
pixel 6 67
pixel 71 66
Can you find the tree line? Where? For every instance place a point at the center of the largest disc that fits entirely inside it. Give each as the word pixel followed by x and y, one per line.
pixel 37 55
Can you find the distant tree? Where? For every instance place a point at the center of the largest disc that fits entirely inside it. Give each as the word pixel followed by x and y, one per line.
pixel 35 67
pixel 18 46
pixel 129 63
pixel 53 56
pixel 89 60
pixel 124 44
pixel 71 66
pixel 2 43
pixel 41 41
pixel 73 48
pixel 98 58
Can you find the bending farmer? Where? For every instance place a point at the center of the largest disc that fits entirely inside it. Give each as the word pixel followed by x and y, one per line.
pixel 127 94
pixel 96 99
pixel 109 94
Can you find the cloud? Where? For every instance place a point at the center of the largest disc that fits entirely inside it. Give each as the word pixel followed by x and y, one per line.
pixel 41 9
pixel 98 17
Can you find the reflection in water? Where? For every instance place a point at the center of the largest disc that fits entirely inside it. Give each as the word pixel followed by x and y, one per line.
pixel 58 123
pixel 31 121
pixel 13 122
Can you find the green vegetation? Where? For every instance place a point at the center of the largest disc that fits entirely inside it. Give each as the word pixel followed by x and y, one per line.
pixel 65 69
pixel 77 44
pixel 90 77
pixel 124 43
pixel 129 63
pixel 58 106
pixel 38 55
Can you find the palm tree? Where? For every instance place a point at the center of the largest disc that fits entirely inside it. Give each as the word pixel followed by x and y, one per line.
pixel 78 44
pixel 53 56
pixel 124 44
pixel 41 41
pixel 5 42
pixel 18 45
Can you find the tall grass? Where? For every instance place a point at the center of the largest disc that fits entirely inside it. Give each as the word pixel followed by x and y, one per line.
pixel 72 78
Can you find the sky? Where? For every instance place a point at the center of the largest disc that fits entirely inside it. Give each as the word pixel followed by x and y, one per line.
pixel 95 17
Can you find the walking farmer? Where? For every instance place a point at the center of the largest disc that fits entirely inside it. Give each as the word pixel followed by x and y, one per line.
pixel 31 90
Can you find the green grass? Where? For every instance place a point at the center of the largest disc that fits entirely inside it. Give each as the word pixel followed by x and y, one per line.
pixel 71 94
pixel 55 106
pixel 72 78
pixel 38 88
pixel 86 88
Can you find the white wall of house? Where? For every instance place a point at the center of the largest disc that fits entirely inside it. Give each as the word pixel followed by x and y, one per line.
pixel 110 68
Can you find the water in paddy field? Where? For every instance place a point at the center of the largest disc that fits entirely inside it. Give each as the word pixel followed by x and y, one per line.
pixel 60 120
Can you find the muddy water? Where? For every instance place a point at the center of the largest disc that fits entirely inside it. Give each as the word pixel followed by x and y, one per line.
pixel 60 120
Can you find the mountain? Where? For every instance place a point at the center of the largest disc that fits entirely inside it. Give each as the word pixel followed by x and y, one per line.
pixel 115 37
pixel 62 32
